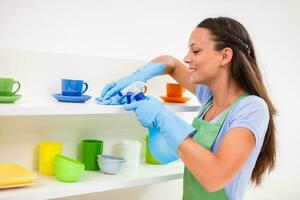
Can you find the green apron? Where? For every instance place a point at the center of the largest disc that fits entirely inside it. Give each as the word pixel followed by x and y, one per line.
pixel 206 134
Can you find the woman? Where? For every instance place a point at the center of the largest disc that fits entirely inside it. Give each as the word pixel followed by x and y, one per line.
pixel 232 140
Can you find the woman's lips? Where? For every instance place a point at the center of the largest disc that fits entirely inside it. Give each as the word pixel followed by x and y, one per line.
pixel 192 70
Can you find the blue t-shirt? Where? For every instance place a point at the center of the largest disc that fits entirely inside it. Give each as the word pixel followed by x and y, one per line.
pixel 252 113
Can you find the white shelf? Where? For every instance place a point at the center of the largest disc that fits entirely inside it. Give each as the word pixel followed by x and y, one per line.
pixel 29 108
pixel 49 187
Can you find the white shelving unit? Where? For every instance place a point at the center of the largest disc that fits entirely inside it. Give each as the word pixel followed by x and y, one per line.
pixel 30 108
pixel 48 187
pixel 37 116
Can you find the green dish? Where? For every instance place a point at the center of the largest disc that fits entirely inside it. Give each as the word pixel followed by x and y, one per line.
pixel 67 169
pixel 66 162
pixel 67 175
pixel 9 99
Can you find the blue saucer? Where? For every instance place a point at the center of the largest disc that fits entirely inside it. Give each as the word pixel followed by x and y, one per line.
pixel 72 99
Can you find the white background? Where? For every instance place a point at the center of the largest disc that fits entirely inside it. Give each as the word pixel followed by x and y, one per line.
pixel 140 30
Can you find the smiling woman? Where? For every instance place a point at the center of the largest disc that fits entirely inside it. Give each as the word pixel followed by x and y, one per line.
pixel 225 41
pixel 231 141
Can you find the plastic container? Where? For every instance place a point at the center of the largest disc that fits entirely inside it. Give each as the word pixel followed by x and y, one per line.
pixel 135 90
pixel 149 157
pixel 47 153
pixel 130 151
pixel 67 169
pixel 110 164
pixel 66 162
pixel 12 174
pixel 90 150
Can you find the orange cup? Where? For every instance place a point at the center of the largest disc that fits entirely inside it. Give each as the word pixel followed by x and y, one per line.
pixel 174 90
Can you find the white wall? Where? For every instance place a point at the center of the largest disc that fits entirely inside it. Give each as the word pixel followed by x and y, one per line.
pixel 134 28
pixel 143 29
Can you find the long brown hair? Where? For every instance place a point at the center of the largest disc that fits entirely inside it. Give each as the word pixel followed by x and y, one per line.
pixel 227 32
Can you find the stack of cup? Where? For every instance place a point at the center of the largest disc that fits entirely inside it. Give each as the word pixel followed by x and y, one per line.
pixel 130 151
pixel 47 153
pixel 90 150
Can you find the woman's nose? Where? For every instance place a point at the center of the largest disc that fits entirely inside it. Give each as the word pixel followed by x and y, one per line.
pixel 187 59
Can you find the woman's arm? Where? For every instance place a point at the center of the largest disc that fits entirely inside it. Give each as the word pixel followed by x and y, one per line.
pixel 177 70
pixel 215 171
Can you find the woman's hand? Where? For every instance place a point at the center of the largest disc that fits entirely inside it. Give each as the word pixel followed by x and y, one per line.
pixel 154 115
pixel 142 74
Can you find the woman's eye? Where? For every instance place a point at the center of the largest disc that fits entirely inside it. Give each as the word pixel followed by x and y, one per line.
pixel 195 52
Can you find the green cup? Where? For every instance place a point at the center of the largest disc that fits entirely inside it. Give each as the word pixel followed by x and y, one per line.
pixel 90 150
pixel 6 86
pixel 149 157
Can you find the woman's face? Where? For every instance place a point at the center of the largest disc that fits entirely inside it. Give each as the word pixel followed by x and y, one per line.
pixel 202 58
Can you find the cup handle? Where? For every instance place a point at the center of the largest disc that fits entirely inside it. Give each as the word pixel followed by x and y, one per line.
pixel 86 87
pixel 19 86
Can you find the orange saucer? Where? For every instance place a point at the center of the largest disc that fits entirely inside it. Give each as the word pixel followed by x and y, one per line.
pixel 175 99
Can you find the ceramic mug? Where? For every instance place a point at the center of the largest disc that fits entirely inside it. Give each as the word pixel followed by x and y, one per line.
pixel 6 86
pixel 71 87
pixel 174 90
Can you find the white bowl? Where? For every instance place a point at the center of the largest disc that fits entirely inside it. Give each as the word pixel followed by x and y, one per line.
pixel 110 164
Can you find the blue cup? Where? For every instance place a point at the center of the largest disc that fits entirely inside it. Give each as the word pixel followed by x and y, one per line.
pixel 71 87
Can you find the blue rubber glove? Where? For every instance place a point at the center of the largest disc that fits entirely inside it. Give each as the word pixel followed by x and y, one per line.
pixel 165 125
pixel 114 100
pixel 142 74
pixel 160 148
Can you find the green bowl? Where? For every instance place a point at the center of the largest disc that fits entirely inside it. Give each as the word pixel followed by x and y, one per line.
pixel 67 175
pixel 67 169
pixel 66 162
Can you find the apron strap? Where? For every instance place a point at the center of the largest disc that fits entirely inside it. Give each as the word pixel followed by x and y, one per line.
pixel 197 123
pixel 227 111
pixel 203 108
pixel 220 122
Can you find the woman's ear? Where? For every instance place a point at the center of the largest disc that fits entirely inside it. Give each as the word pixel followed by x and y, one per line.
pixel 227 54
